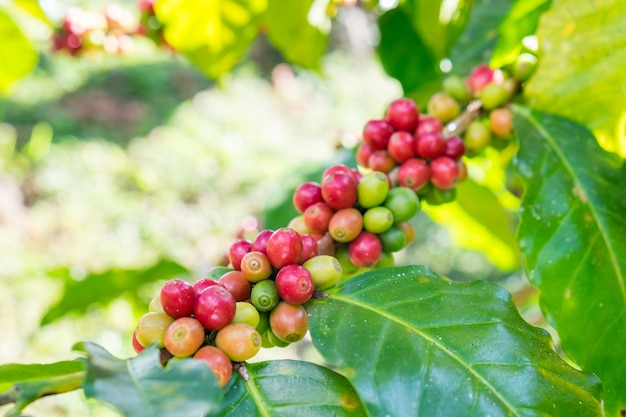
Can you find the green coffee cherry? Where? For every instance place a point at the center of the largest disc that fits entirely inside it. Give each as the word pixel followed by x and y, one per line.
pixel 373 189
pixel 264 295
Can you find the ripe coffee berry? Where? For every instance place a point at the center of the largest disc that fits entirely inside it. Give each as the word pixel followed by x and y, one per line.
pixel 428 124
pixel 184 337
pixel 309 247
pixel 289 322
pixel 444 173
pixel 237 251
pixel 365 251
pixel 376 134
pixel 259 244
pixel 317 216
pixel 363 154
pixel 238 341
pixel 215 307
pixel 481 76
pixel 219 363
pixel 345 225
pixel 136 345
pixel 414 174
pixel 307 194
pixel 403 114
pixel 284 247
pixel 294 284
pixel 237 284
pixel 202 284
pixel 455 148
pixel 430 145
pixel 177 298
pixel 339 190
pixel 401 146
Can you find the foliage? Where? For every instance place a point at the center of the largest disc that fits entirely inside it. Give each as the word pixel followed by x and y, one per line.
pixel 405 341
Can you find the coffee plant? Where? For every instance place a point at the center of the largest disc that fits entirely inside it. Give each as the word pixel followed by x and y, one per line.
pixel 533 87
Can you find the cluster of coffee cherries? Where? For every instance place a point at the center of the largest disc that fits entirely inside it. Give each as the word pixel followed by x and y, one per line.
pixel 149 24
pixel 233 312
pixel 360 219
pixel 82 31
pixel 413 148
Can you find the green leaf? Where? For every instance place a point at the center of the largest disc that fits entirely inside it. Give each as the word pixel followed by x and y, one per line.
pixel 142 387
pixel 572 236
pixel 214 34
pixel 480 35
pixel 23 384
pixel 404 55
pixel 104 287
pixel 19 57
pixel 581 67
pixel 289 388
pixel 478 221
pixel 520 22
pixel 33 8
pixel 293 31
pixel 416 344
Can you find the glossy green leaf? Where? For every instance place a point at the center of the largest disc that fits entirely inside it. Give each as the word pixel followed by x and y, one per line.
pixel 480 35
pixel 214 34
pixel 23 384
pixel 104 287
pixel 285 388
pixel 142 387
pixel 404 55
pixel 521 21
pixel 18 55
pixel 478 221
pixel 581 67
pixel 572 236
pixel 416 344
pixel 298 29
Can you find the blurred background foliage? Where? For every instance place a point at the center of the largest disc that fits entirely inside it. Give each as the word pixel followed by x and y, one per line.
pixel 118 172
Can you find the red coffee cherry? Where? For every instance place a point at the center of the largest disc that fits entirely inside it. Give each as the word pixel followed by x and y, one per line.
pixel 455 148
pixel 215 307
pixel 345 225
pixel 219 363
pixel 430 145
pixel 237 251
pixel 403 114
pixel 307 194
pixel 289 322
pixel 414 174
pixel 177 298
pixel 284 247
pixel 259 244
pixel 376 134
pixel 365 251
pixel 444 172
pixel 294 284
pixel 339 190
pixel 401 146
pixel 317 216
pixel 237 283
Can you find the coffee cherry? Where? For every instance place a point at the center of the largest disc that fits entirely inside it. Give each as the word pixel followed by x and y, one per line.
pixel 297 224
pixel 151 329
pixel 345 225
pixel 184 337
pixel 343 257
pixel 136 345
pixel 237 251
pixel 430 145
pixel 414 174
pixel 219 363
pixel 237 284
pixel 365 251
pixel 177 298
pixel 284 247
pixel 402 114
pixel 255 267
pixel 340 169
pixel 462 170
pixel 408 230
pixel 381 161
pixel 502 122
pixel 443 107
pixel 454 86
pixel 428 124
pixel 477 137
pixel 386 261
pixel 524 67
pixel 437 196
pixel 289 322
pixel 259 244
pixel 377 219
pixel 403 204
pixel 363 153
pixel 309 247
pixel 155 304
pixel 455 148
pixel 264 322
pixel 326 245
pixel 481 76
pixel 373 189
pixel 264 295
pixel 492 96
pixel 246 313
pixel 376 134
pixel 444 172
pixel 202 284
pixel 401 146
pixel 307 194
pixel 274 340
pixel 215 307
pixel 393 239
pixel 238 341
pixel 339 190
pixel 294 284
pixel 325 271
pixel 317 216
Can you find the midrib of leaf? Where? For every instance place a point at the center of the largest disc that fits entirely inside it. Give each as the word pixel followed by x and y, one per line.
pixel 255 394
pixel 550 140
pixel 434 342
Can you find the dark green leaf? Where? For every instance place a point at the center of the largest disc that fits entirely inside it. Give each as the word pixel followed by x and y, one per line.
pixel 291 31
pixel 18 55
pixel 142 387
pixel 582 65
pixel 23 384
pixel 286 388
pixel 404 55
pixel 104 287
pixel 415 344
pixel 521 21
pixel 214 34
pixel 572 235
pixel 480 36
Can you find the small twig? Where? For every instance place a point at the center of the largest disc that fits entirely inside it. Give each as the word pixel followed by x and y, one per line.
pixel 243 371
pixel 457 126
pixel 319 294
